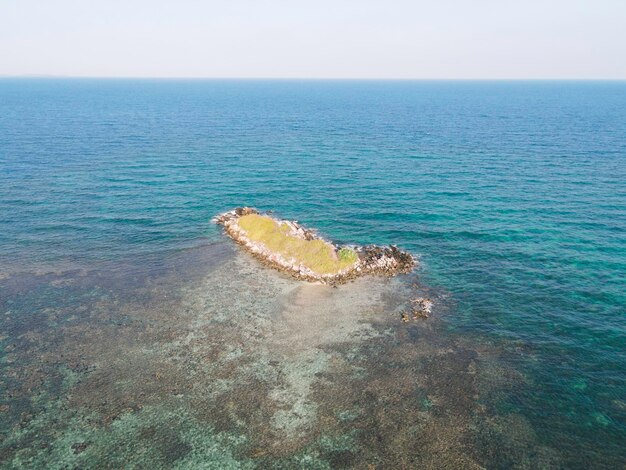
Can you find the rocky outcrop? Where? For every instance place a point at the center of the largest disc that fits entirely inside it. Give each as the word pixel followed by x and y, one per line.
pixel 420 308
pixel 372 259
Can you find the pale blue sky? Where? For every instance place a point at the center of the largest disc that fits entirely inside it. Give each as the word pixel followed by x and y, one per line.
pixel 315 39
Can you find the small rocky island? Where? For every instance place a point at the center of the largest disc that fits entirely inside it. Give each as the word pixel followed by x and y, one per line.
pixel 291 248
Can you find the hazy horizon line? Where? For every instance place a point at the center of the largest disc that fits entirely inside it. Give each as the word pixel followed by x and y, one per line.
pixel 162 77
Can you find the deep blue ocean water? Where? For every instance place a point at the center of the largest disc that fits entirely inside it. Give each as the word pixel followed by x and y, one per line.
pixel 512 193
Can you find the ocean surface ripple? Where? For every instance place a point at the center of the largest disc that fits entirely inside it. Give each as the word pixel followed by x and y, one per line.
pixel 513 194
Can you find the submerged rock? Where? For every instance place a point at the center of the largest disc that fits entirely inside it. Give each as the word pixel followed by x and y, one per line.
pixel 421 307
pixel 370 259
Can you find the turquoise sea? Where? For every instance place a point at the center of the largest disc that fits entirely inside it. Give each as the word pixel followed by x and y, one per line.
pixel 134 334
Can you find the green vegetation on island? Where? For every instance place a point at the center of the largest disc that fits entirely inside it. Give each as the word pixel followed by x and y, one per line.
pixel 316 254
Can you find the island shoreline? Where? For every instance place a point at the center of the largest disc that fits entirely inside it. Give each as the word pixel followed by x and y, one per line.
pixel 372 259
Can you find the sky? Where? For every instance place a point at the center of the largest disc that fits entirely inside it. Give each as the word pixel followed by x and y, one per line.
pixel 394 39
